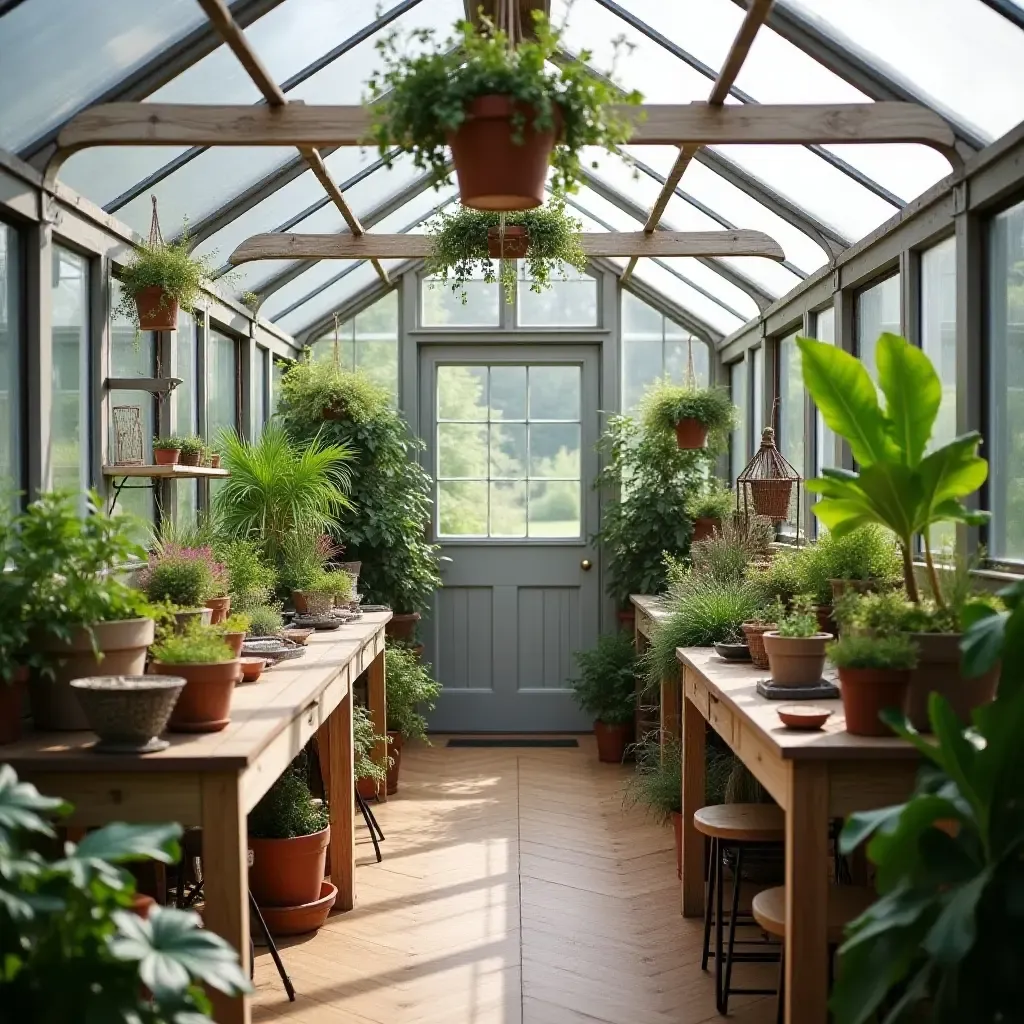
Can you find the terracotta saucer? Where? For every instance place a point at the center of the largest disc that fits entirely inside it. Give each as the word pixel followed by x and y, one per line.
pixel 299 636
pixel 803 716
pixel 252 669
pixel 299 920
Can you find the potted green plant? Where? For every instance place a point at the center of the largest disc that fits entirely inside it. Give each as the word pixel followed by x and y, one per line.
pixel 71 947
pixel 166 450
pixel 191 451
pixel 250 579
pixel 607 689
pixel 265 620
pixel 370 775
pixel 874 674
pixel 158 278
pixel 79 613
pixel 469 241
pixel 691 412
pixel 185 577
pixel 410 692
pixel 506 112
pixel 210 670
pixel 234 629
pixel 709 508
pixel 796 648
pixel 288 837
pixel 15 653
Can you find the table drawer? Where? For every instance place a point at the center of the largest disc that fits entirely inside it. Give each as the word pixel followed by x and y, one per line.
pixel 697 691
pixel 720 718
pixel 644 623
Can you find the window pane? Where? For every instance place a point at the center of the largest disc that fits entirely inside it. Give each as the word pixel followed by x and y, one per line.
pixel 554 509
pixel 10 358
pixel 462 393
pixel 554 392
pixel 441 307
pixel 877 311
pixel 1006 383
pixel 508 509
pixel 462 508
pixel 791 410
pixel 276 376
pixel 222 384
pixel 571 302
pixel 555 450
pixel 508 393
pixel 462 450
pixel 825 440
pixel 69 418
pixel 738 438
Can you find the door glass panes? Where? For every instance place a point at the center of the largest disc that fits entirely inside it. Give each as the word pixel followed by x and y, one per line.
pixel 442 307
pixel 1005 434
pixel 185 407
pixel 10 359
pixel 260 384
pixel 222 385
pixel 367 342
pixel 877 311
pixel 571 301
pixel 508 451
pixel 825 440
pixel 791 411
pixel 69 415
pixel 738 437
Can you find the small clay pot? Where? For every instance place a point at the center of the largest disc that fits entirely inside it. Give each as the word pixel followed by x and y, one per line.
pixel 12 706
pixel 402 627
pixel 395 753
pixel 754 632
pixel 186 617
pixel 309 917
pixel 235 641
pixel 366 788
pixel 221 606
pixel 796 660
pixel 205 703
pixel 128 713
pixel 288 872
pixel 166 456
pixel 190 458
pixel 868 691
pixel 157 310
pixel 705 527
pixel 252 668
pixel 214 460
pixel 691 433
pixel 142 904
pixel 612 741
pixel 826 623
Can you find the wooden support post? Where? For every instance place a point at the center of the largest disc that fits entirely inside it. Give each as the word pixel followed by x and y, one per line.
pixel 376 696
pixel 694 742
pixel 671 712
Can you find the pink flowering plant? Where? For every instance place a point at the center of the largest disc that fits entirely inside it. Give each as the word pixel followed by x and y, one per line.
pixel 186 577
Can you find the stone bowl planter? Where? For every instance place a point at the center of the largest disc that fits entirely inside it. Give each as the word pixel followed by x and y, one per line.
pixel 128 713
pixel 186 617
pixel 796 660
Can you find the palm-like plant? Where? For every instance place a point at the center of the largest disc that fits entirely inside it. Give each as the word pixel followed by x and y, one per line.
pixel 277 488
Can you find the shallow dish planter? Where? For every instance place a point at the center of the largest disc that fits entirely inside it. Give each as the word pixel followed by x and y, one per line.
pixel 733 652
pixel 252 669
pixel 691 434
pixel 12 706
pixel 938 671
pixel 123 645
pixel 754 632
pixel 612 740
pixel 220 607
pixel 309 917
pixel 402 626
pixel 704 527
pixel 205 703
pixel 186 617
pixel 128 713
pixel 868 691
pixel 158 310
pixel 796 660
pixel 513 244
pixel 288 872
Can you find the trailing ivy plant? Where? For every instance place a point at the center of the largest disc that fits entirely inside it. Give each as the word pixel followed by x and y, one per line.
pixel 665 404
pixel 423 90
pixel 460 247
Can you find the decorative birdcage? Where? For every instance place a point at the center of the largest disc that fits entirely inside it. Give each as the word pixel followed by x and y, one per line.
pixel 128 448
pixel 766 485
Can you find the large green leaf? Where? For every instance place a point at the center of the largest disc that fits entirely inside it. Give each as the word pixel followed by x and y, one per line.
pixel 982 643
pixel 846 398
pixel 119 843
pixel 894 493
pixel 947 474
pixel 22 806
pixel 954 931
pixel 913 393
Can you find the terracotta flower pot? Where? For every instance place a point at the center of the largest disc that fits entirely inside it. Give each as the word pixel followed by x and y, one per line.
pixel 367 788
pixel 299 601
pixel 796 660
pixel 190 458
pixel 938 671
pixel 771 498
pixel 142 904
pixel 309 917
pixel 186 617
pixel 754 632
pixel 128 713
pixel 123 645
pixel 612 741
pixel 235 641
pixel 705 527
pixel 826 624
pixel 252 669
pixel 395 753
pixel 677 828
pixel 691 433
pixel 166 456
pixel 494 171
pixel 288 872
pixel 215 460
pixel 157 310
pixel 221 606
pixel 868 691
pixel 402 627
pixel 514 245
pixel 12 706
pixel 205 703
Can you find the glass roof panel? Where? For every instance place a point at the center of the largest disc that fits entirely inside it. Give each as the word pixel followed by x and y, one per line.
pixel 59 56
pixel 702 275
pixel 961 52
pixel 688 298
pixel 251 277
pixel 773 277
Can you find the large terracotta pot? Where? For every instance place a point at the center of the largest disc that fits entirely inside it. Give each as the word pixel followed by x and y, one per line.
pixel 513 245
pixel 494 172
pixel 12 706
pixel 123 645
pixel 205 703
pixel 220 607
pixel 395 753
pixel 796 660
pixel 754 633
pixel 705 527
pixel 366 788
pixel 627 619
pixel 826 623
pixel 402 627
pixel 157 310
pixel 612 741
pixel 938 671
pixel 288 872
pixel 166 456
pixel 868 691
pixel 691 433
pixel 677 828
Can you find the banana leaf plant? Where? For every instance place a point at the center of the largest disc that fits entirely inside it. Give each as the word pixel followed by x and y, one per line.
pixel 71 950
pixel 896 484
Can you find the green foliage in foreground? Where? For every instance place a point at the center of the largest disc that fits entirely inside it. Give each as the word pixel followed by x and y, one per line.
pixel 606 687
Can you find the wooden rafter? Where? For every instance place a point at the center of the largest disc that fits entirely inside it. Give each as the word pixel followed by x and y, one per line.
pixel 229 30
pixel 281 245
pixel 755 17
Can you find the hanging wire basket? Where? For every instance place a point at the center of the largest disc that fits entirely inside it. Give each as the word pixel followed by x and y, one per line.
pixel 767 484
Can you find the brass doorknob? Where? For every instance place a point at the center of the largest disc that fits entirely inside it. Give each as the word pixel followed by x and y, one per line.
pixel 585 565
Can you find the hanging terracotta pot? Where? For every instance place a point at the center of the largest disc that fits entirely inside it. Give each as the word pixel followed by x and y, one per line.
pixel 157 310
pixel 612 741
pixel 516 242
pixel 868 691
pixel 395 753
pixel 166 456
pixel 705 527
pixel 771 498
pixel 494 171
pixel 691 434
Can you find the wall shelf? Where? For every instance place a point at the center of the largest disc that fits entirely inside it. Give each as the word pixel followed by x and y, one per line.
pixel 157 385
pixel 175 472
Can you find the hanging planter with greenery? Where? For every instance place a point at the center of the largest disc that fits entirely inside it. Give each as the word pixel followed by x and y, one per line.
pixel 692 412
pixel 468 242
pixel 508 108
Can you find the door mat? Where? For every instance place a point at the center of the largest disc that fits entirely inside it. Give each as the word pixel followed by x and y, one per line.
pixel 499 742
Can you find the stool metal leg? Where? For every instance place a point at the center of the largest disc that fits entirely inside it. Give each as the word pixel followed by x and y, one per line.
pixel 269 939
pixel 709 892
pixel 737 881
pixel 719 886
pixel 369 824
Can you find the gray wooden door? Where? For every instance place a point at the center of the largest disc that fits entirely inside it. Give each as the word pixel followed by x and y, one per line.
pixel 510 433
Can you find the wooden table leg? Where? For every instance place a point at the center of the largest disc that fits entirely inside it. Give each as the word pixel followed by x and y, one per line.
pixel 226 880
pixel 807 893
pixel 671 713
pixel 694 740
pixel 376 696
pixel 335 742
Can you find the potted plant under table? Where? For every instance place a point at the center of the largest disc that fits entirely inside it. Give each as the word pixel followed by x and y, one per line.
pixel 410 691
pixel 606 688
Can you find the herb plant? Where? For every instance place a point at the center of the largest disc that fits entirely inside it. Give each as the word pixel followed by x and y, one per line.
pixel 171 443
pixel 421 95
pixel 200 645
pixel 250 578
pixel 192 446
pixel 729 552
pixel 187 577
pixel 237 622
pixel 879 652
pixel 460 247
pixel 606 687
pixel 715 502
pixel 265 620
pixel 665 404
pixel 409 688
pixel 287 809
pixel 801 621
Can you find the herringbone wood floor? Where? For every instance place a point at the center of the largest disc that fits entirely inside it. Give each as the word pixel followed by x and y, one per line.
pixel 514 890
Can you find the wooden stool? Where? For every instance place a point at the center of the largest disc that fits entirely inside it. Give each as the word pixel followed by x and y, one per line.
pixel 845 902
pixel 742 829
